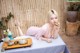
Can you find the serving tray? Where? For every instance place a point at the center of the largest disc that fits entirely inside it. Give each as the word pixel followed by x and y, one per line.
pixel 28 44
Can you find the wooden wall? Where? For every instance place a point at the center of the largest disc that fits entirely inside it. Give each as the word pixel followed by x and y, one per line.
pixel 31 12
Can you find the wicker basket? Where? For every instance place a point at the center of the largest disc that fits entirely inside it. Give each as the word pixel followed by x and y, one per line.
pixel 72 28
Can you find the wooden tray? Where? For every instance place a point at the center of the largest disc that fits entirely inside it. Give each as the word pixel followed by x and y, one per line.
pixel 6 46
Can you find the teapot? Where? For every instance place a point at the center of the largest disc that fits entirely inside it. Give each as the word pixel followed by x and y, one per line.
pixel 22 41
pixel 6 39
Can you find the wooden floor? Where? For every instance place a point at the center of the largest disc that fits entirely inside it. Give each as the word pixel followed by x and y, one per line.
pixel 73 43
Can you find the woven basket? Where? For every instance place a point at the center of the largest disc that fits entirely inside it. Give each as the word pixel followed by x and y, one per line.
pixel 72 28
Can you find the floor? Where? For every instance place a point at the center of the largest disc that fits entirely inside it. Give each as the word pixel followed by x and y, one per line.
pixel 73 42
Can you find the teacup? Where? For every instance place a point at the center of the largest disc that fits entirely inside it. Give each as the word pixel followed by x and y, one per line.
pixel 10 42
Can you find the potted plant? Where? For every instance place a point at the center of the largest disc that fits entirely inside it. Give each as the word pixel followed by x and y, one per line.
pixel 4 24
pixel 72 19
pixel 72 12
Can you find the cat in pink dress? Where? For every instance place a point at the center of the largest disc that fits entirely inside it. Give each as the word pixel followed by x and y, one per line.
pixel 48 31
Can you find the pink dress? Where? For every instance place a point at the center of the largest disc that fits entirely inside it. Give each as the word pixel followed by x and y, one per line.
pixel 43 31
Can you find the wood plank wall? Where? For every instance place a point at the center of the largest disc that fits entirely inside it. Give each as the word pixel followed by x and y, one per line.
pixel 31 12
